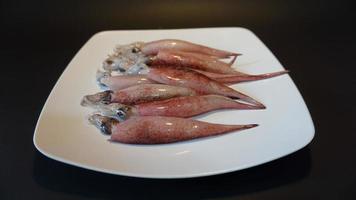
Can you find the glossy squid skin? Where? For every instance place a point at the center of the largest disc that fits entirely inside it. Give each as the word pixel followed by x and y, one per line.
pixel 189 106
pixel 152 48
pixel 124 81
pixel 194 54
pixel 149 92
pixel 199 82
pixel 137 94
pixel 182 59
pixel 160 130
pixel 207 57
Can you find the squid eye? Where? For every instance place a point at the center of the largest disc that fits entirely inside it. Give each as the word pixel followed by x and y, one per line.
pixel 122 70
pixel 109 62
pixel 104 129
pixel 135 50
pixel 121 114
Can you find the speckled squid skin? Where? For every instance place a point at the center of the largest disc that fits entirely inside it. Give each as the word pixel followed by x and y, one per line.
pixel 125 81
pixel 192 79
pixel 152 48
pixel 194 61
pixel 189 106
pixel 159 130
pixel 149 92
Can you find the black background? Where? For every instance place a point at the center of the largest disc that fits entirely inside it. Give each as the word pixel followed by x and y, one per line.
pixel 313 39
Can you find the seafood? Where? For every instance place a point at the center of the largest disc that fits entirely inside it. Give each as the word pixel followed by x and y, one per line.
pixel 192 79
pixel 106 81
pixel 124 61
pixel 186 106
pixel 123 81
pixel 137 54
pixel 161 84
pixel 137 94
pixel 199 82
pixel 159 130
pixel 204 64
pixel 182 59
pixel 152 48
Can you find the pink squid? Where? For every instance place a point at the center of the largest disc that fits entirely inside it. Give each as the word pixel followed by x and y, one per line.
pixel 194 61
pixel 186 78
pixel 140 53
pixel 159 130
pixel 119 82
pixel 194 80
pixel 185 106
pixel 138 94
pixel 152 48
pixel 134 63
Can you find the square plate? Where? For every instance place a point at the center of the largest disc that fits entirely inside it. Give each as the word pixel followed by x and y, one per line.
pixel 62 132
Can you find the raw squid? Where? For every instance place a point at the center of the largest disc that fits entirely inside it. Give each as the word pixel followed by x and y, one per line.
pixel 182 59
pixel 123 81
pixel 139 53
pixel 138 94
pixel 211 67
pixel 191 79
pixel 186 106
pixel 159 130
pixel 152 48
pixel 199 82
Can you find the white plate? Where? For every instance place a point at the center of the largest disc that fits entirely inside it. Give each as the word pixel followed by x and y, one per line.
pixel 63 134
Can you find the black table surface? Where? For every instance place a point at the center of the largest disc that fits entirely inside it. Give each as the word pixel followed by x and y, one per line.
pixel 313 39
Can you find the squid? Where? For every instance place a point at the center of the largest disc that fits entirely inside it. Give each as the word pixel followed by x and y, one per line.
pixel 140 53
pixel 138 94
pixel 152 48
pixel 190 79
pixel 128 62
pixel 186 106
pixel 159 130
pixel 194 80
pixel 194 61
pixel 118 82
